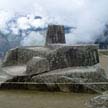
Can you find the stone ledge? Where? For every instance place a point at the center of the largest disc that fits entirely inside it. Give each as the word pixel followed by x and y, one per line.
pixel 37 65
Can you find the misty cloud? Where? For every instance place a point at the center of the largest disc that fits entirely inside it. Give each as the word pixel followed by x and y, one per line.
pixel 88 16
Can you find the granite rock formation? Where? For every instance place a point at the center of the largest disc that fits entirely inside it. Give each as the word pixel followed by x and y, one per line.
pixel 37 65
pixel 99 102
pixel 55 34
pixel 55 66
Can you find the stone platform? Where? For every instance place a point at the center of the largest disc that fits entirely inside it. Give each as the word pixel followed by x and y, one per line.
pixel 55 68
pixel 79 55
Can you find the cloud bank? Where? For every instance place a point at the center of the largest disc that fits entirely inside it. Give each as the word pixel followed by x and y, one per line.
pixel 88 16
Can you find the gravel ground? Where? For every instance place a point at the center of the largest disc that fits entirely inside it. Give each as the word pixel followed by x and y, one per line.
pixel 104 62
pixel 33 99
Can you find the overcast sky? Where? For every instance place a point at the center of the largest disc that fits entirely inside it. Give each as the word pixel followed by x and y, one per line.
pixel 54 8
pixel 48 4
pixel 62 8
pixel 89 16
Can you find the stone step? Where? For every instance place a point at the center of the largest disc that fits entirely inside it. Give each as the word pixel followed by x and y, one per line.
pixel 4 76
pixel 82 79
pixel 18 70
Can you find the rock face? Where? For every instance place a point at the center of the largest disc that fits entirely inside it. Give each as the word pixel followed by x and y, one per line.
pixel 70 78
pixel 22 55
pixel 99 102
pixel 59 56
pixel 55 34
pixel 70 56
pixel 37 65
pixel 58 67
pixel 73 79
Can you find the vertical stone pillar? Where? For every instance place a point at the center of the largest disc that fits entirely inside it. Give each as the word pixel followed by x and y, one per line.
pixel 55 34
pixel 97 56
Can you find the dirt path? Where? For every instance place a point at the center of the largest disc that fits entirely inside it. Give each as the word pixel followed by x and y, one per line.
pixel 33 99
pixel 104 62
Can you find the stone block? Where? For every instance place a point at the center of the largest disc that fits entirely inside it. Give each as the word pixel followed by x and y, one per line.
pixel 99 102
pixel 37 65
pixel 55 34
pixel 73 79
pixel 72 56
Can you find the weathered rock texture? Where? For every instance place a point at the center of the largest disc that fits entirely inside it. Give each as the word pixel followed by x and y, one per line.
pixel 69 56
pixel 77 79
pixel 55 34
pixel 37 65
pixel 55 66
pixel 22 55
pixel 70 78
pixel 99 102
pixel 59 56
